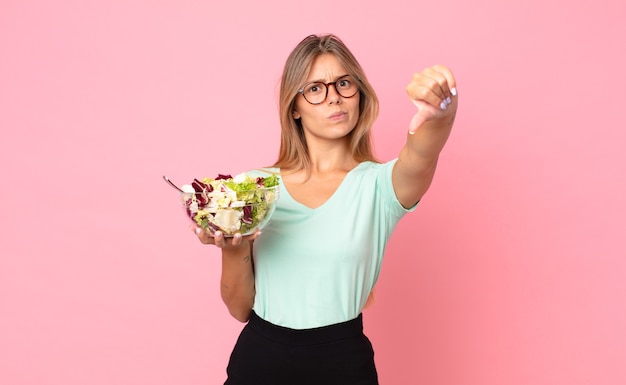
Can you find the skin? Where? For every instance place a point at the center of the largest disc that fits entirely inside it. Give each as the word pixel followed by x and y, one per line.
pixel 326 126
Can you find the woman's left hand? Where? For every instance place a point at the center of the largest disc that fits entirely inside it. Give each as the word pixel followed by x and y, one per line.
pixel 433 91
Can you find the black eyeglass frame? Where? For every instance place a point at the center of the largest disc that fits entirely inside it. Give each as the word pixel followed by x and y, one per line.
pixel 327 85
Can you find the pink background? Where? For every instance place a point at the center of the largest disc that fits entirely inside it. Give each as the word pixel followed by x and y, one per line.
pixel 512 271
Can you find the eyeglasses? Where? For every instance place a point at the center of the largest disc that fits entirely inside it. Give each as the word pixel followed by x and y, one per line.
pixel 316 92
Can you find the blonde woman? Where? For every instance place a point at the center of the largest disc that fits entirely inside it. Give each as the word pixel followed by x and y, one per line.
pixel 301 286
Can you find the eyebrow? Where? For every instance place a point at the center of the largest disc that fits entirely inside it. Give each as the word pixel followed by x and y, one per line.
pixel 325 82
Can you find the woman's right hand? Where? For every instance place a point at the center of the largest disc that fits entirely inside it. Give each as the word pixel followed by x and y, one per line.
pixel 218 239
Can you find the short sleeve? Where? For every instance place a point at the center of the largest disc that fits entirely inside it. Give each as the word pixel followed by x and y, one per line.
pixel 385 183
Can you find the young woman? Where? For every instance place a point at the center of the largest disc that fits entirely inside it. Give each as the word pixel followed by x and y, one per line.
pixel 301 286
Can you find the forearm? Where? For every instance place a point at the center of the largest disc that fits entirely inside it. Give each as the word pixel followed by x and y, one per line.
pixel 423 147
pixel 417 161
pixel 237 282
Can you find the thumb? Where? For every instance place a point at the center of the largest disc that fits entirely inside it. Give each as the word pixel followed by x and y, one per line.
pixel 197 230
pixel 416 122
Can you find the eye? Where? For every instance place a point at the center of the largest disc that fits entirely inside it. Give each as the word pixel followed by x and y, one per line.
pixel 344 83
pixel 315 88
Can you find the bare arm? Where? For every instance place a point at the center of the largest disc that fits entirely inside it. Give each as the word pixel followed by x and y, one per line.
pixel 433 91
pixel 237 281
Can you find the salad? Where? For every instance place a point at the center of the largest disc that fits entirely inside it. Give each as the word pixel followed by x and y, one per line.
pixel 229 204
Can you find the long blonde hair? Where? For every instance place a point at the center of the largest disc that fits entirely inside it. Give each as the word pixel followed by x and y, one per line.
pixel 293 153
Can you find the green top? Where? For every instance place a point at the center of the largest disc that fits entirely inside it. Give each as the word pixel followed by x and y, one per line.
pixel 316 267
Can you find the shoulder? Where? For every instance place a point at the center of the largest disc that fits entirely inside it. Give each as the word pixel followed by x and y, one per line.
pixel 371 177
pixel 374 169
pixel 378 179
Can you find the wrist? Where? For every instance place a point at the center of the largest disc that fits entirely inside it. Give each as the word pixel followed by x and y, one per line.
pixel 240 251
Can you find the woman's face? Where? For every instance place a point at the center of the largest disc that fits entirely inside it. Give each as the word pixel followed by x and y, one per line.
pixel 336 116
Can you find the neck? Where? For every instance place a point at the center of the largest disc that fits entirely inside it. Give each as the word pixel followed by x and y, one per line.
pixel 330 157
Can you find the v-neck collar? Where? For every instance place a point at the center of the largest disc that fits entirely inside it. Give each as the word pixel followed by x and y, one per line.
pixel 285 192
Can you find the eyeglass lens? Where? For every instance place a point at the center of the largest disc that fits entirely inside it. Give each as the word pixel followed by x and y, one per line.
pixel 316 92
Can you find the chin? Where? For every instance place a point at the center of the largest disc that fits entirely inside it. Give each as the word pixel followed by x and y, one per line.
pixel 339 134
pixel 334 132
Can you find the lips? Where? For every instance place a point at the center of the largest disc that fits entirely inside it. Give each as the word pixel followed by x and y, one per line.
pixel 338 115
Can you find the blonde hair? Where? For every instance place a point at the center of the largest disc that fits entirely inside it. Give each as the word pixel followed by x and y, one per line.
pixel 293 153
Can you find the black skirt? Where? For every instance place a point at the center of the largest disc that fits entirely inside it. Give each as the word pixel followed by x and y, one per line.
pixel 267 354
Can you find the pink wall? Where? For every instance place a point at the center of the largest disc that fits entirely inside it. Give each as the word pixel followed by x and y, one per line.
pixel 511 271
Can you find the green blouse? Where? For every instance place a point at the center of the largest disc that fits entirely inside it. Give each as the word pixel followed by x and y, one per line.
pixel 317 267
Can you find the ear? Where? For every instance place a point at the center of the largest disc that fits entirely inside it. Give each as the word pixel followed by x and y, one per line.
pixel 296 115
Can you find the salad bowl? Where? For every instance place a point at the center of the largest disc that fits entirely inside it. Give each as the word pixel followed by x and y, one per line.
pixel 240 204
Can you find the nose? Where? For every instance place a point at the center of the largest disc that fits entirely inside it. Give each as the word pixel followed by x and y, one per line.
pixel 333 96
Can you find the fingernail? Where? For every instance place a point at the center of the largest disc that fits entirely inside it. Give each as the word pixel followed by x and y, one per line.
pixel 443 105
pixel 238 236
pixel 411 132
pixel 198 230
pixel 448 100
pixel 453 91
